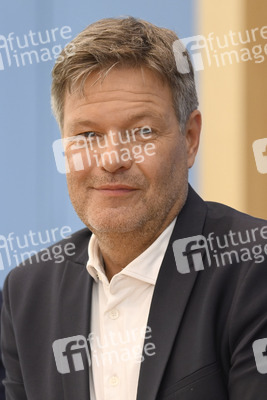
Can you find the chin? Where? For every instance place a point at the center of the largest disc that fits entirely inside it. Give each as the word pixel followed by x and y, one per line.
pixel 114 224
pixel 109 228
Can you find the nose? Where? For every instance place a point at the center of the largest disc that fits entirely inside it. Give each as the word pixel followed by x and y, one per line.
pixel 116 155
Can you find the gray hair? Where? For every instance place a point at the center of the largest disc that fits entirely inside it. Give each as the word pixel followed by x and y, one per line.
pixel 122 42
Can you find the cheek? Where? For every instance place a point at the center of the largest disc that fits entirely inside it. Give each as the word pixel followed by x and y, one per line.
pixel 77 177
pixel 170 154
pixel 163 165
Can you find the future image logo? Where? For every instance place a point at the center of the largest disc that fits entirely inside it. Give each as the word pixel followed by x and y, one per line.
pixel 17 249
pixel 71 354
pixel 221 50
pixel 189 253
pixel 260 155
pixel 34 47
pixel 260 354
pixel 80 152
pixel 194 44
pixel 196 253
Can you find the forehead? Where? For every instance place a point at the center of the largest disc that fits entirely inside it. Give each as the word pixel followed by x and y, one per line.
pixel 123 93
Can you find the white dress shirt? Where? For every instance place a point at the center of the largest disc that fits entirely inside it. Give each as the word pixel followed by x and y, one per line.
pixel 119 316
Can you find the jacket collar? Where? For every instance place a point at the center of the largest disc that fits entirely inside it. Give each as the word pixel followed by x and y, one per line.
pixel 170 299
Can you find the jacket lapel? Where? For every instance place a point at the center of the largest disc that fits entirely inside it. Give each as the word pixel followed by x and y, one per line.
pixel 171 294
pixel 74 312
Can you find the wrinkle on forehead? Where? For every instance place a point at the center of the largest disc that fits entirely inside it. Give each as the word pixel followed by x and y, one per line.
pixel 125 90
pixel 121 79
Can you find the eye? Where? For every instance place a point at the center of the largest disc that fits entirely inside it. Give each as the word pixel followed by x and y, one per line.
pixel 146 130
pixel 90 134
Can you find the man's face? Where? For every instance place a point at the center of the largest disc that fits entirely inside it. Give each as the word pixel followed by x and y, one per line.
pixel 116 191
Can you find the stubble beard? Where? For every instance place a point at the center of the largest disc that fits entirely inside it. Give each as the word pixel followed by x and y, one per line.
pixel 145 219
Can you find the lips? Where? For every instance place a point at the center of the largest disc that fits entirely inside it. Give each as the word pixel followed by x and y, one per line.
pixel 114 190
pixel 115 187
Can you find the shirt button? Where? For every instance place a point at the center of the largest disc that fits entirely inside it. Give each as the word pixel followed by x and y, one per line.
pixel 114 314
pixel 114 381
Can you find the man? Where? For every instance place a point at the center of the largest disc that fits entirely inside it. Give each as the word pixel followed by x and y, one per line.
pixel 171 303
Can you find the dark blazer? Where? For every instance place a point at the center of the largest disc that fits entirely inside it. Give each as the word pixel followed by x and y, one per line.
pixel 203 323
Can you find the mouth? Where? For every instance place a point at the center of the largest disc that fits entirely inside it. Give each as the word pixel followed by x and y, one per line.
pixel 115 190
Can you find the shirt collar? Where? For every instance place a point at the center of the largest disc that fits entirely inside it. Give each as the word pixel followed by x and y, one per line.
pixel 145 267
pixel 95 262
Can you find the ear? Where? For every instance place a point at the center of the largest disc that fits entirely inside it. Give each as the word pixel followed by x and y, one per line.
pixel 192 135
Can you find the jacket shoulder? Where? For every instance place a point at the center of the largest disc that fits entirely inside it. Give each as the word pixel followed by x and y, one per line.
pixel 52 261
pixel 221 217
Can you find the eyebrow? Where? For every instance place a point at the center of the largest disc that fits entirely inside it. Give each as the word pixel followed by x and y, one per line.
pixel 147 114
pixel 131 118
pixel 82 124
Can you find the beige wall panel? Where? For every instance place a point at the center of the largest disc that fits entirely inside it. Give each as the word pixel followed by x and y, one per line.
pixel 256 110
pixel 233 100
pixel 222 102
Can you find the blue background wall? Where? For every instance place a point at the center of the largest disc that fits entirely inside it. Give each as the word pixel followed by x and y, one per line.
pixel 33 194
